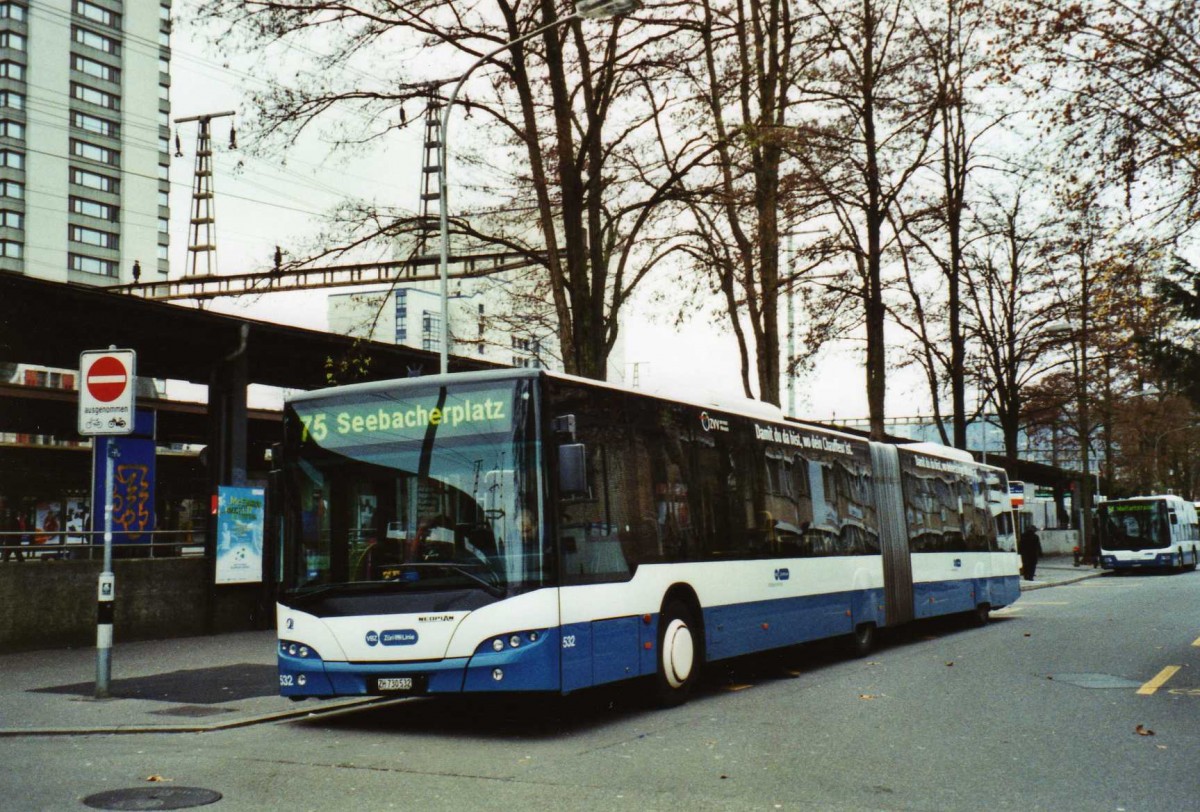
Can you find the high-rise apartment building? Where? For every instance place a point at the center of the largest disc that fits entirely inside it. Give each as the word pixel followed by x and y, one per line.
pixel 85 139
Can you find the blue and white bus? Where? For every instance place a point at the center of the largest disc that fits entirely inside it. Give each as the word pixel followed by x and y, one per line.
pixel 1148 531
pixel 521 530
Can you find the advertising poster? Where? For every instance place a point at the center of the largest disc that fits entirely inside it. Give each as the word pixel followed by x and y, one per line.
pixel 48 518
pixel 241 516
pixel 78 521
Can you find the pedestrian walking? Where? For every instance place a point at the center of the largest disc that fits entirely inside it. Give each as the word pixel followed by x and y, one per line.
pixel 1031 550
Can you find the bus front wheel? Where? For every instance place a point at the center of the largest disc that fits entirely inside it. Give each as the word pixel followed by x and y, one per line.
pixel 679 654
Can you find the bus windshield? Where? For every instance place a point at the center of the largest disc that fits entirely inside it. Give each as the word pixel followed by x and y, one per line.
pixel 1134 525
pixel 407 488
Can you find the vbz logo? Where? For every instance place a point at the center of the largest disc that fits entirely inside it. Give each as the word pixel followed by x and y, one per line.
pixel 372 638
pixel 782 574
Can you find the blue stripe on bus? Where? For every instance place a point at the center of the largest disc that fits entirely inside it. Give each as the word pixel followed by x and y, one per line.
pixel 607 651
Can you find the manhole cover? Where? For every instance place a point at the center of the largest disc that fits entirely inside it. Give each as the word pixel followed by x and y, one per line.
pixel 152 798
pixel 1095 681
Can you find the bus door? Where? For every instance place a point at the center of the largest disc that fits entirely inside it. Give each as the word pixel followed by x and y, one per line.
pixel 893 534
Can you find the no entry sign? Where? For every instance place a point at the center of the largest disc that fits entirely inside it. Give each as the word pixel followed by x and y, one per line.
pixel 108 381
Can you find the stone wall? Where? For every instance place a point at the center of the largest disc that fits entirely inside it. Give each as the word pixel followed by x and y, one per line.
pixel 52 603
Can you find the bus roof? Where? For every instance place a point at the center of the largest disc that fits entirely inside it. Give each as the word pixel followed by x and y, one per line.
pixel 742 407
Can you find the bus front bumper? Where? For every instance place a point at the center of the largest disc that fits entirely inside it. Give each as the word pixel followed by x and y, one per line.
pixel 496 666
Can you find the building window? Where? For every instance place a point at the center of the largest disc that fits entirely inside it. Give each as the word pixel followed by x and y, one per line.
pixel 164 13
pixel 11 39
pixel 95 124
pixel 431 331
pixel 164 39
pixel 82 149
pixel 12 70
pixel 97 69
pixel 12 189
pixel 92 180
pixel 12 11
pixel 164 92
pixel 97 14
pixel 12 129
pixel 90 236
pixel 164 199
pixel 164 225
pixel 162 252
pixel 90 208
pixel 104 267
pixel 12 99
pixel 12 159
pixel 12 219
pixel 93 40
pixel 164 65
pixel 164 172
pixel 11 249
pixel 93 96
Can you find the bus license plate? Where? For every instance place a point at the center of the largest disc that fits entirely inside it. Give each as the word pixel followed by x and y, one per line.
pixel 395 683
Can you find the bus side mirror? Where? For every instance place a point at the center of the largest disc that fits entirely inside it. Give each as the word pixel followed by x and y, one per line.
pixel 572 469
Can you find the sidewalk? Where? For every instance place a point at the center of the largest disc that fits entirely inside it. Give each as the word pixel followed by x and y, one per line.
pixel 1056 570
pixel 189 684
pixel 196 684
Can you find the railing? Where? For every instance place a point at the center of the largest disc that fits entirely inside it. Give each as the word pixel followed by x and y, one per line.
pixel 21 545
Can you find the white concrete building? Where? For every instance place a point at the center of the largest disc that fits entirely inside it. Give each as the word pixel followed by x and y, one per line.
pixel 84 139
pixel 480 325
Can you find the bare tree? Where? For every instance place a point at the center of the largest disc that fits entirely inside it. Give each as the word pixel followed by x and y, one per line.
pixel 576 108
pixel 744 90
pixel 1132 69
pixel 1008 308
pixel 871 134
pixel 968 111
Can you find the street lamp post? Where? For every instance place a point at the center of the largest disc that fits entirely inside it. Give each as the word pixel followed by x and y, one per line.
pixel 584 9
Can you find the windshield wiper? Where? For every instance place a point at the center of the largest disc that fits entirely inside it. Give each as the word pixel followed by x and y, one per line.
pixel 492 589
pixel 348 586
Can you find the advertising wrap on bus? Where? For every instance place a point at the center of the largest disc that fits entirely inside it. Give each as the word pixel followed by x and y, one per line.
pixel 518 530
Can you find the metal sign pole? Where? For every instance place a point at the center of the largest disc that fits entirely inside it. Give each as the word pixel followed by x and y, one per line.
pixel 107 585
pixel 107 408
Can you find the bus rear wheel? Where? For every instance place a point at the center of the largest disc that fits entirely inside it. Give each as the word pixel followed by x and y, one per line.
pixel 981 615
pixel 862 642
pixel 679 654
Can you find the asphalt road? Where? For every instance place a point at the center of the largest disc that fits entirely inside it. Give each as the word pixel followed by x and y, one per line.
pixel 1067 701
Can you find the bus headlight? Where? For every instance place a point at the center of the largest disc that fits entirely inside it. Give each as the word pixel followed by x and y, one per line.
pixel 515 640
pixel 497 645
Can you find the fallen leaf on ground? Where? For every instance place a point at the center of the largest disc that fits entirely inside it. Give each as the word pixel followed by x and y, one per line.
pixel 155 779
pixel 1142 730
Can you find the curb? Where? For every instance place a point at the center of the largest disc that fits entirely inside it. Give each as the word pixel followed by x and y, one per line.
pixel 1027 586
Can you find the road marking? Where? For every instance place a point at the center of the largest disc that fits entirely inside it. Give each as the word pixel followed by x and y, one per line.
pixel 1196 642
pixel 1159 680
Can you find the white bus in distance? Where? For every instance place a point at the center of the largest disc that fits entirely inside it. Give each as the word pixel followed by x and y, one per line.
pixel 519 530
pixel 1148 531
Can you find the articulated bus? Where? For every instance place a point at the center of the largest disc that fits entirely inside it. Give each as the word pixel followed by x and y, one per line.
pixel 1148 531
pixel 519 530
